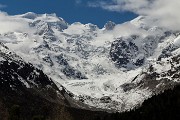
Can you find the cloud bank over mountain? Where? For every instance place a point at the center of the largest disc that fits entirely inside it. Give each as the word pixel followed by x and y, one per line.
pixel 165 11
pixel 9 24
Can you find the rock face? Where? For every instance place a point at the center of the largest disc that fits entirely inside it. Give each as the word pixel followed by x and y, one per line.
pixel 124 52
pixel 131 52
pixel 109 25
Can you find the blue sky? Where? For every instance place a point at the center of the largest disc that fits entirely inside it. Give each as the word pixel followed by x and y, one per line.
pixel 70 10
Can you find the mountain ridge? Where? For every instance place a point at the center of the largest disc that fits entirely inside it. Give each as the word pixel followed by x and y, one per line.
pixel 114 68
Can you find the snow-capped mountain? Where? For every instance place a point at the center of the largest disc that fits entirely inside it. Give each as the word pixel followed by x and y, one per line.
pixel 114 68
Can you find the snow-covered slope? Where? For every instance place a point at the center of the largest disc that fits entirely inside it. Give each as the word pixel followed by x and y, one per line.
pixel 104 68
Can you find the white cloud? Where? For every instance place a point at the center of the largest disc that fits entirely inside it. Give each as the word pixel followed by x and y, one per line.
pixel 10 24
pixel 166 11
pixel 127 29
pixel 97 4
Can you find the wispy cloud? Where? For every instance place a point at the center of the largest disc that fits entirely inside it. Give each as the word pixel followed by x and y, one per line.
pixel 3 6
pixel 111 5
pixel 166 11
pixel 78 2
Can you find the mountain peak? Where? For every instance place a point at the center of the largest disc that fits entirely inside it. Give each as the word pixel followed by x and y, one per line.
pixel 109 25
pixel 29 15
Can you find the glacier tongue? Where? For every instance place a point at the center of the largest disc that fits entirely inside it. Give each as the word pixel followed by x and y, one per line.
pixel 104 67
